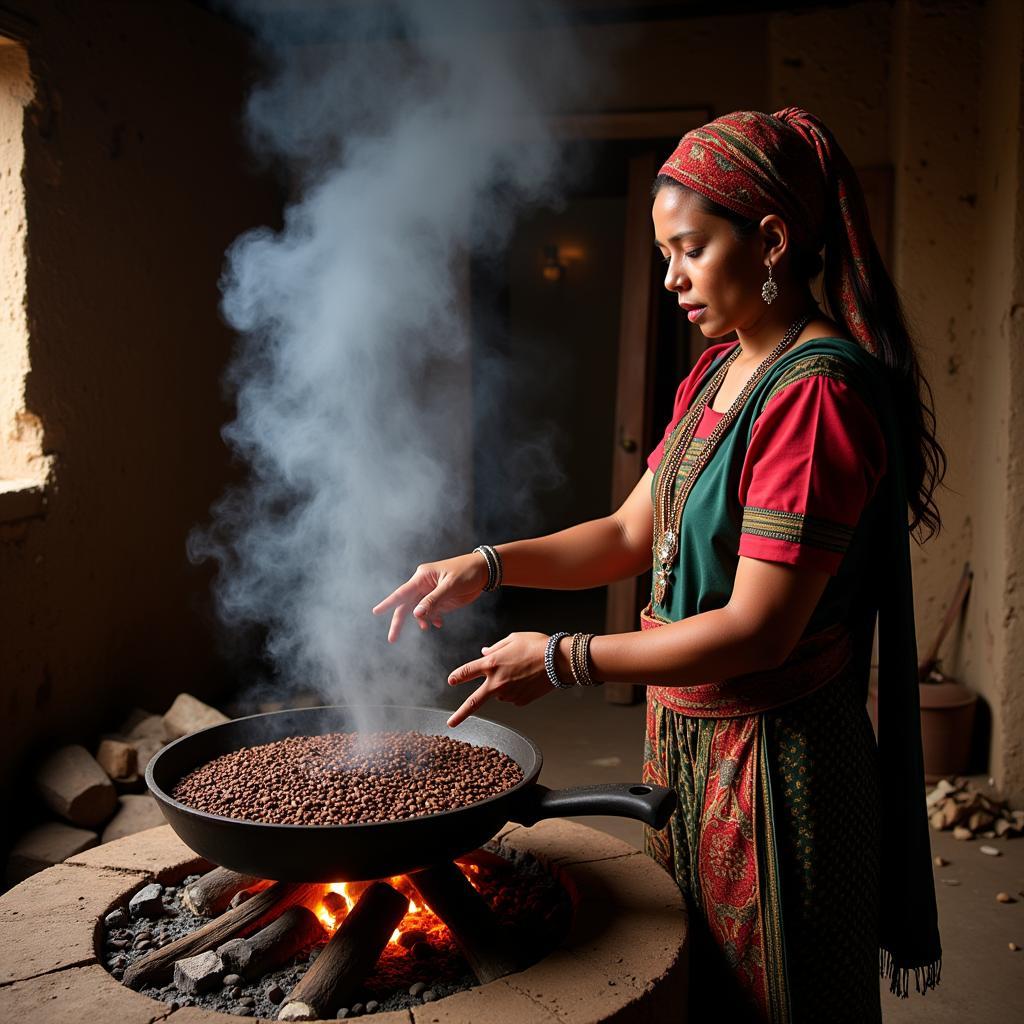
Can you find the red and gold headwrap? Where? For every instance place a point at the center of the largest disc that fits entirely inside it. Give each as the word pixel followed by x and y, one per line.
pixel 787 163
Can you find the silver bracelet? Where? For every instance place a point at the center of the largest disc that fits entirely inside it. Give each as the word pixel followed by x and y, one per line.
pixel 549 661
pixel 494 567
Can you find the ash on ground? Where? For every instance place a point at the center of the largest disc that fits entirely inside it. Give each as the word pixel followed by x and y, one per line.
pixel 527 899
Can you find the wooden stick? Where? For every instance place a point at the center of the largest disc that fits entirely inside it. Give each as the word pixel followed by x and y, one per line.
pixel 297 928
pixel 250 916
pixel 345 961
pixel 212 893
pixel 473 924
pixel 930 659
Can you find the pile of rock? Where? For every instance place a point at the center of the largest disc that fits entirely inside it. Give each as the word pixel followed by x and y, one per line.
pixel 956 804
pixel 101 797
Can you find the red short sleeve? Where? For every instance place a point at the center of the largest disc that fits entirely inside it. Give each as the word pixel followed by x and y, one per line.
pixel 815 457
pixel 685 395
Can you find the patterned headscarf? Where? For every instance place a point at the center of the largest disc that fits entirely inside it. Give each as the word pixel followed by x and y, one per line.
pixel 787 163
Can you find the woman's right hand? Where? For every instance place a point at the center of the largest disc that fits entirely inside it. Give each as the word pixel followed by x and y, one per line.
pixel 435 589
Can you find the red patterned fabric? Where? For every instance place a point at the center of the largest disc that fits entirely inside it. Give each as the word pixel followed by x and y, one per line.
pixel 787 163
pixel 815 662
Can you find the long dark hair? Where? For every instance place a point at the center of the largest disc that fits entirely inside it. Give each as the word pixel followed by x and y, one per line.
pixel 925 459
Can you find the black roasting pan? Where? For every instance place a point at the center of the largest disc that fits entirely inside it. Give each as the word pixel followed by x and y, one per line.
pixel 328 853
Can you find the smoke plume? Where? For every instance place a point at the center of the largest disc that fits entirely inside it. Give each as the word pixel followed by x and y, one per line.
pixel 411 134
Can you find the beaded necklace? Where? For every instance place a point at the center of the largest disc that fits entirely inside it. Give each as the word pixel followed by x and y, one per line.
pixel 668 507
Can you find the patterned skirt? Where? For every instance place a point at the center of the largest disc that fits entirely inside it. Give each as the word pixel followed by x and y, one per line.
pixel 778 863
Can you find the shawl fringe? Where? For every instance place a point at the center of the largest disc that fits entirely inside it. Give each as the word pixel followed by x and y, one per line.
pixel 925 977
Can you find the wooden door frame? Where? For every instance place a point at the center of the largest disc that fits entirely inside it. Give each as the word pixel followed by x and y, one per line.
pixel 634 381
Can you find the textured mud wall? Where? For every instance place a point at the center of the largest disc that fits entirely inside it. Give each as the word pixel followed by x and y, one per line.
pixel 993 652
pixel 136 180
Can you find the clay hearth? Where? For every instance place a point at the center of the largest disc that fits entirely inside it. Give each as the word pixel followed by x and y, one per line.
pixel 623 959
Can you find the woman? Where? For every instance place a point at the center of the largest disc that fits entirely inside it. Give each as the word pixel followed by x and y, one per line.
pixel 777 508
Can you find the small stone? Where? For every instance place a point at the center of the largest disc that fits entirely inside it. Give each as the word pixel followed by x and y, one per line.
pixel 247 1001
pixel 147 902
pixel 429 996
pixel 1005 897
pixel 118 972
pixel 143 944
pixel 951 881
pixel 342 1013
pixel 173 1005
pixel 988 835
pixel 991 851
pixel 200 973
pixel 245 1011
pixel 960 832
pixel 941 862
pixel 372 1006
pixel 356 1010
pixel 116 918
pixel 418 989
pixel 232 980
pixel 1013 947
pixel 275 994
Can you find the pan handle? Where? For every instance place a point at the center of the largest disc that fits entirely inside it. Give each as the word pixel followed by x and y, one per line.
pixel 653 805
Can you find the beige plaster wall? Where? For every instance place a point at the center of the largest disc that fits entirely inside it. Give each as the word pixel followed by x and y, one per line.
pixel 21 461
pixel 994 643
pixel 136 181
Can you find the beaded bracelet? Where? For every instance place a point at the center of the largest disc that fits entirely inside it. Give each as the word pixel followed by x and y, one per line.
pixel 579 658
pixel 494 568
pixel 549 661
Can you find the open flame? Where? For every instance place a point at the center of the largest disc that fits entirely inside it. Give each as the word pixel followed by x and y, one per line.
pixel 340 897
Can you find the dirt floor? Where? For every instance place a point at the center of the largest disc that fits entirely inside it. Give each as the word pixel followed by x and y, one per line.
pixel 585 740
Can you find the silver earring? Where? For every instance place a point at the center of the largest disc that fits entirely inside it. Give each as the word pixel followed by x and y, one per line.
pixel 769 290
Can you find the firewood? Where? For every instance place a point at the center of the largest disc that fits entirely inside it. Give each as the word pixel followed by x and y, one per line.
pixel 212 893
pixel 187 715
pixel 249 917
pixel 46 845
pixel 473 924
pixel 136 814
pixel 117 758
pixel 76 787
pixel 297 928
pixel 345 961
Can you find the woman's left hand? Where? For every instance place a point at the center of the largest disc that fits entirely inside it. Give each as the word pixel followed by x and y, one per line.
pixel 513 670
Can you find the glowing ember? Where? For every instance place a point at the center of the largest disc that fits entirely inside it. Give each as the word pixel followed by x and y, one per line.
pixel 419 921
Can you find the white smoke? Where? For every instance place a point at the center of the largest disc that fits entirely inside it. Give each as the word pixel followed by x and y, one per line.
pixel 411 132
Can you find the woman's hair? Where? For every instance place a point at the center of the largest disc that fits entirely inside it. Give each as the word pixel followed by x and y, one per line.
pixel 925 459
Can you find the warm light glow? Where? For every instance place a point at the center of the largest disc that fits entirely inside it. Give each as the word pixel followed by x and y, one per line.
pixel 329 920
pixel 418 917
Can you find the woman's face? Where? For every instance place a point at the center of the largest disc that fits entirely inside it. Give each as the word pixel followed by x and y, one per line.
pixel 716 276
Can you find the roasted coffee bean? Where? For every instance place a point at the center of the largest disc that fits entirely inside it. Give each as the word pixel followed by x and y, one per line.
pixel 348 778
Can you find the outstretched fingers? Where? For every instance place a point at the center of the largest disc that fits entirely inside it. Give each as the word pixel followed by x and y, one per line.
pixel 470 705
pixel 471 670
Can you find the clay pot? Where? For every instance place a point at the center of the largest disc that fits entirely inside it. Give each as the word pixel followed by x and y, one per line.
pixel 947 722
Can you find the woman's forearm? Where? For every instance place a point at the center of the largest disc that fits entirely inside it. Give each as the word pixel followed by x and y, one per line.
pixel 710 646
pixel 591 554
